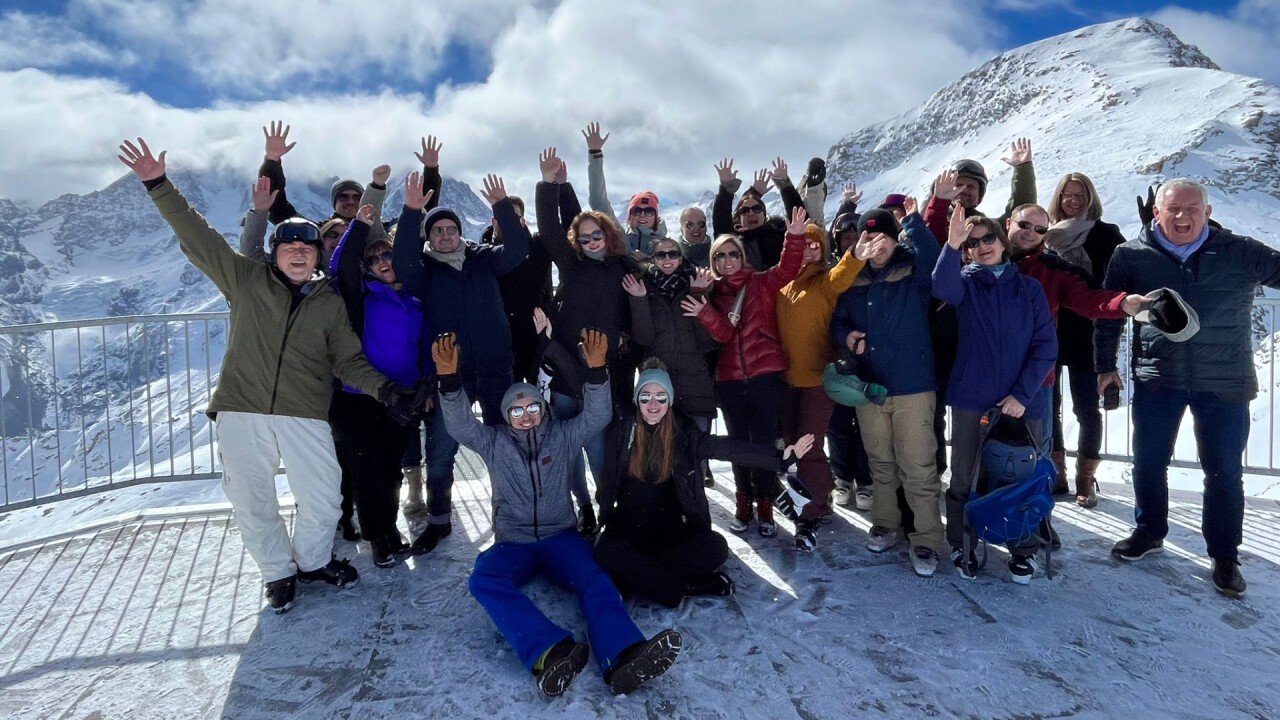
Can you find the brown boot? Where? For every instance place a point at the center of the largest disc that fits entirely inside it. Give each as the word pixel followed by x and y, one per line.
pixel 764 511
pixel 1059 458
pixel 1086 484
pixel 742 517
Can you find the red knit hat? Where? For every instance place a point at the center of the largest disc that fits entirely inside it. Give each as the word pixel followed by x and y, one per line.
pixel 643 199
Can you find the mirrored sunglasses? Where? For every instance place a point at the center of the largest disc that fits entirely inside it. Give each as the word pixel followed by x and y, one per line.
pixel 659 397
pixel 734 254
pixel 532 410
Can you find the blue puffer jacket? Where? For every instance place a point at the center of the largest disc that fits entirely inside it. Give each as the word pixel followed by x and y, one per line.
pixel 466 302
pixel 892 307
pixel 1007 340
pixel 393 333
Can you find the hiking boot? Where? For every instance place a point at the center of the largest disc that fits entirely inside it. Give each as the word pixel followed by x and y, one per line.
pixel 708 478
pixel 1061 486
pixel 430 537
pixel 764 511
pixel 968 569
pixel 414 503
pixel 587 525
pixel 716 583
pixel 338 573
pixel 1227 578
pixel 1021 568
pixel 280 593
pixel 924 560
pixel 347 526
pixel 1086 483
pixel 883 539
pixel 1137 546
pixel 862 497
pixel 560 666
pixel 842 493
pixel 806 535
pixel 381 553
pixel 742 516
pixel 643 661
pixel 396 543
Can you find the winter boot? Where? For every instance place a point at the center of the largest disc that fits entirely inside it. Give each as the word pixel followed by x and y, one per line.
pixel 413 478
pixel 806 535
pixel 716 583
pixel 643 661
pixel 430 537
pixel 764 511
pixel 560 665
pixel 1086 483
pixel 338 573
pixel 1060 461
pixel 280 593
pixel 741 517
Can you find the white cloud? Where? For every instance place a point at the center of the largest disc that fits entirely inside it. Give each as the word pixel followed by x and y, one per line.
pixel 28 40
pixel 1246 40
pixel 679 85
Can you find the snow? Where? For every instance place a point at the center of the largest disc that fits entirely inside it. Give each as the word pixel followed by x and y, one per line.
pixel 159 614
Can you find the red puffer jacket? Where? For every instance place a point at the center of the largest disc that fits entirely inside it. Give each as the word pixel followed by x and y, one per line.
pixel 752 348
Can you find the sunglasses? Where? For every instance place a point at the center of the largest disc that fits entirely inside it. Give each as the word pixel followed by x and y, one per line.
pixel 689 225
pixel 380 257
pixel 751 209
pixel 659 397
pixel 348 196
pixel 643 211
pixel 332 235
pixel 988 239
pixel 443 230
pixel 734 254
pixel 667 255
pixel 596 236
pixel 1039 229
pixel 518 412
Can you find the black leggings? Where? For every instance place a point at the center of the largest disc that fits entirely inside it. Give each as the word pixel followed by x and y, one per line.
pixel 751 412
pixel 659 570
pixel 371 444
pixel 1084 404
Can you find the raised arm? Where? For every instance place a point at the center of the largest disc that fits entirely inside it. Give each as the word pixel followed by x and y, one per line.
pixel 792 260
pixel 431 179
pixel 277 137
pixel 925 242
pixel 254 231
pixel 782 180
pixel 1023 190
pixel 722 207
pixel 406 254
pixel 948 283
pixel 597 402
pixel 461 423
pixel 937 214
pixel 597 193
pixel 375 193
pixel 642 329
pixel 515 236
pixel 548 197
pixel 347 265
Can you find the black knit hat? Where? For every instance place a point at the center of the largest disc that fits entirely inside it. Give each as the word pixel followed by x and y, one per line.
pixel 878 220
pixel 341 186
pixel 435 216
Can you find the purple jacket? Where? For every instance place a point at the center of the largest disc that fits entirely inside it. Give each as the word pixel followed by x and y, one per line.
pixel 390 322
pixel 1007 339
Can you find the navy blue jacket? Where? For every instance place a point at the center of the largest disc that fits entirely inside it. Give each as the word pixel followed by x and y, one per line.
pixel 467 302
pixel 1008 344
pixel 1219 282
pixel 892 307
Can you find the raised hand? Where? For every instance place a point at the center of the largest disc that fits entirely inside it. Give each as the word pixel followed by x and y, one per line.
pixel 1146 211
pixel 1019 153
pixel 140 161
pixel 494 189
pixel 444 351
pixel 381 174
pixel 944 186
pixel 562 174
pixel 365 214
pixel 549 164
pixel 799 221
pixel 798 450
pixel 701 279
pixel 430 155
pixel 693 305
pixel 761 182
pixel 541 323
pixel 595 347
pixel 850 192
pixel 634 287
pixel 865 247
pixel 277 136
pixel 263 195
pixel 779 170
pixel 957 230
pixel 725 170
pixel 414 199
pixel 910 206
pixel 594 141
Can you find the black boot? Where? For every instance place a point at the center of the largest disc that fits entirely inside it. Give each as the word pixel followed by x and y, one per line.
pixel 716 583
pixel 338 573
pixel 280 593
pixel 562 664
pixel 643 661
pixel 430 537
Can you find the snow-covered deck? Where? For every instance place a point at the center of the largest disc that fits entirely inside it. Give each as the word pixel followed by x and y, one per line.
pixel 163 618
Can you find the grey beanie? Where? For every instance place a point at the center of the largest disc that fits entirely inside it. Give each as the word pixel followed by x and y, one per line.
pixel 519 391
pixel 343 185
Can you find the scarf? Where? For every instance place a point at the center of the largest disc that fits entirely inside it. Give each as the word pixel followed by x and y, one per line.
pixel 1182 252
pixel 1066 239
pixel 597 255
pixel 452 259
pixel 669 286
pixel 996 270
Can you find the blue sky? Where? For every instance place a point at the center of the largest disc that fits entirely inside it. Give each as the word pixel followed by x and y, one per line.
pixel 497 79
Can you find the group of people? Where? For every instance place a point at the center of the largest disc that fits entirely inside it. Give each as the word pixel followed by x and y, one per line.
pixel 348 334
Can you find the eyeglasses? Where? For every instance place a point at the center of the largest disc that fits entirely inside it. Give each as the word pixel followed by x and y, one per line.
pixel 1039 229
pixel 988 239
pixel 643 211
pixel 443 230
pixel 689 224
pixel 379 258
pixel 518 411
pixel 733 254
pixel 596 236
pixel 348 196
pixel 658 397
pixel 667 255
pixel 1078 197
pixel 751 209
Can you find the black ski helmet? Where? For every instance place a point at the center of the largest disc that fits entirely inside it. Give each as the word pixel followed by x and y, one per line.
pixel 972 169
pixel 296 229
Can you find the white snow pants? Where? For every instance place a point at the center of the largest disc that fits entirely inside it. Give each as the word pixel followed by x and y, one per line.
pixel 250 446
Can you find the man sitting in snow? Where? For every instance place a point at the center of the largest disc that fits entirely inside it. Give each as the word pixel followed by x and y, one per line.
pixel 529 459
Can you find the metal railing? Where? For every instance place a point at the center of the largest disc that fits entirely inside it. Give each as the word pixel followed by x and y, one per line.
pixel 94 405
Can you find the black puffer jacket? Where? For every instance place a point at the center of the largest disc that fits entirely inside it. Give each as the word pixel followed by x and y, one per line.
pixel 659 324
pixel 1219 281
pixel 693 446
pixel 1075 334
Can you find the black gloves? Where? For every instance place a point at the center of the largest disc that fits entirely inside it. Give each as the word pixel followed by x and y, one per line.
pixel 1145 211
pixel 400 403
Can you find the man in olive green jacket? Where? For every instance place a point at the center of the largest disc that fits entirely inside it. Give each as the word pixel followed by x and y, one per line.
pixel 289 335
